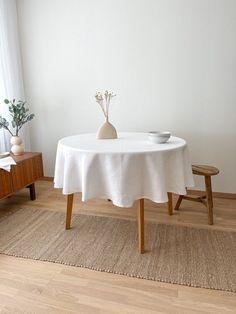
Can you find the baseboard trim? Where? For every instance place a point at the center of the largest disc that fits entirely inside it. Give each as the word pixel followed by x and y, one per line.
pixel 46 179
pixel 193 192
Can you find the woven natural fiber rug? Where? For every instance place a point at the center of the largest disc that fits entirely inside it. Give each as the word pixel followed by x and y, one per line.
pixel 174 254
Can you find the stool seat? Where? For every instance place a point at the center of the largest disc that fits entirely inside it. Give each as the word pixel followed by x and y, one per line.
pixel 204 170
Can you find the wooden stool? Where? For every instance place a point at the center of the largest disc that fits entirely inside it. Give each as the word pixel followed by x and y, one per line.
pixel 207 172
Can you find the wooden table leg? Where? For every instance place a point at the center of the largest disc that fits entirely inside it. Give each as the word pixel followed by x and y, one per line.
pixel 69 210
pixel 141 226
pixel 170 204
pixel 179 202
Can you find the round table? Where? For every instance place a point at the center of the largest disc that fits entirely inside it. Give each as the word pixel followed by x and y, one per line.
pixel 123 170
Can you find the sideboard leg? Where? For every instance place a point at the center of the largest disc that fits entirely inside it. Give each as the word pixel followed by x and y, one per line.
pixel 170 204
pixel 32 191
pixel 141 226
pixel 69 210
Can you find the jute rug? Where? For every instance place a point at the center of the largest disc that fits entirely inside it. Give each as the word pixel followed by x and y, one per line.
pixel 174 254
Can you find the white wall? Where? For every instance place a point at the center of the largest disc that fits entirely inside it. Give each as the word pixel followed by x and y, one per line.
pixel 172 64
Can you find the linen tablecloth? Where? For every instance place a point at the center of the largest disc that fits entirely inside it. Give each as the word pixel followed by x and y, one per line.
pixel 124 169
pixel 5 163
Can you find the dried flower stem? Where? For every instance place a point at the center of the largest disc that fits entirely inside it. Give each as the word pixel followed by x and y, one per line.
pixel 100 100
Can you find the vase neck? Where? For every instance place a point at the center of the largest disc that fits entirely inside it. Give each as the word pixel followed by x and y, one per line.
pixel 107 119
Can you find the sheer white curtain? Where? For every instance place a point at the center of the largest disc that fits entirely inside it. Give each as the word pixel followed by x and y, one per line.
pixel 11 81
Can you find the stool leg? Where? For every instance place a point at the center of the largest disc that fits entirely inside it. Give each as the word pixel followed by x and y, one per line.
pixel 170 203
pixel 209 199
pixel 179 202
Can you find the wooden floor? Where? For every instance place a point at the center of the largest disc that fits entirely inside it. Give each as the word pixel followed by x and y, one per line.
pixel 28 286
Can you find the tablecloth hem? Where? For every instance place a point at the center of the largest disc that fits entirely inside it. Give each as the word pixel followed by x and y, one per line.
pixel 128 204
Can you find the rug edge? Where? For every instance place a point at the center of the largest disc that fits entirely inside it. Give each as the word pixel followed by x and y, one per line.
pixel 117 273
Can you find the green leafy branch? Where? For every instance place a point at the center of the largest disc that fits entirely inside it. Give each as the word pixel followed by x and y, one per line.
pixel 20 115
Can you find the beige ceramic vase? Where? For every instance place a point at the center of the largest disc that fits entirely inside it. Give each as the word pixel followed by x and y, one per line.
pixel 107 131
pixel 17 145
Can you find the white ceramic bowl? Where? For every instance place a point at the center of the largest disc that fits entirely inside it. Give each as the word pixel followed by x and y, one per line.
pixel 159 137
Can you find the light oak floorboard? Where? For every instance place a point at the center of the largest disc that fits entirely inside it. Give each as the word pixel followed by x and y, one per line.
pixel 28 286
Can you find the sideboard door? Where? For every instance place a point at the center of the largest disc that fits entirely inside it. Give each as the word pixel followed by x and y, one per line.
pixel 27 172
pixel 5 183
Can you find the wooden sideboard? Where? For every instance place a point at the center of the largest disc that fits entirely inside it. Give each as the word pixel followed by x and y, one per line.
pixel 28 169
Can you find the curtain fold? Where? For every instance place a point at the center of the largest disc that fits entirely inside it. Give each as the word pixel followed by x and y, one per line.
pixel 11 78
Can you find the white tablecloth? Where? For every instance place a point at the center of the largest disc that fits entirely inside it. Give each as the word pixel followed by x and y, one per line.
pixel 123 170
pixel 5 163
